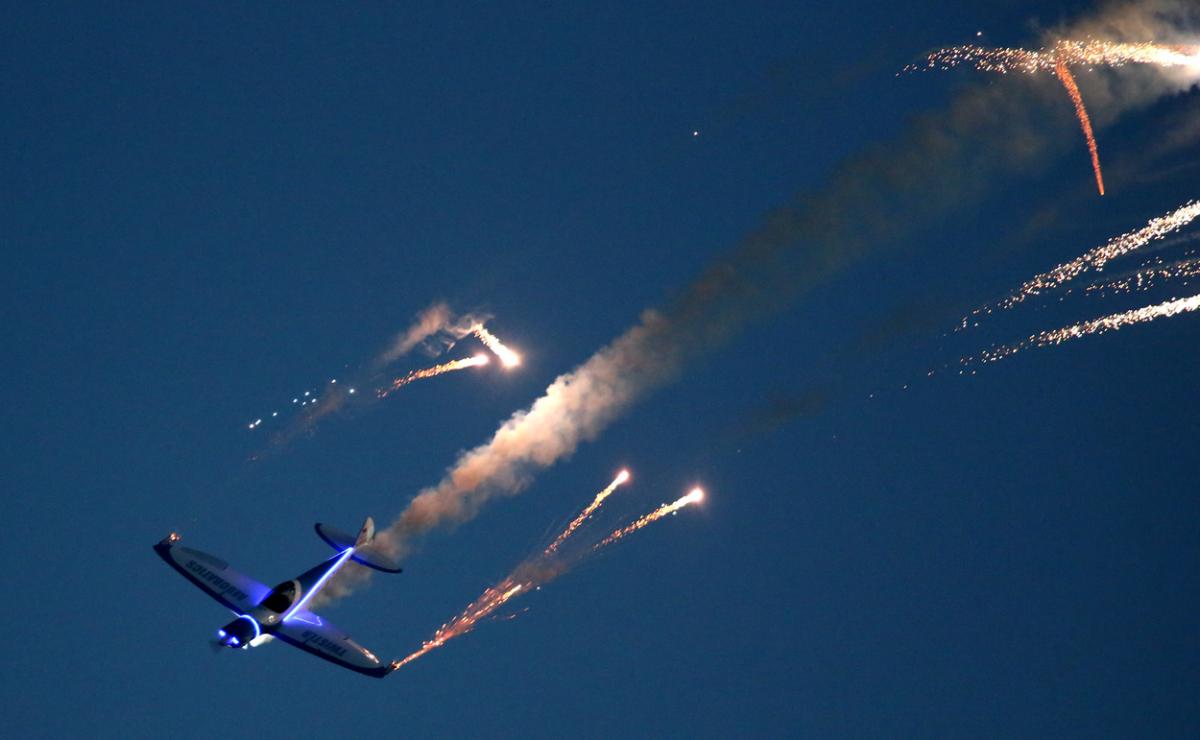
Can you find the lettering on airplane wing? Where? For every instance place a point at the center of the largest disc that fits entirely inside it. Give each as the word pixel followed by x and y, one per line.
pixel 309 637
pixel 222 586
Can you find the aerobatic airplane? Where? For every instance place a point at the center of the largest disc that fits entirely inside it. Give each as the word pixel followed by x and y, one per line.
pixel 267 613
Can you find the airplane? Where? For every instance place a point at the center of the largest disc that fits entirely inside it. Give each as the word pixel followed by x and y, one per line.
pixel 263 614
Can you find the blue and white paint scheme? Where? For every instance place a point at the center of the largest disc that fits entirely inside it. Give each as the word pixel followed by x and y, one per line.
pixel 263 614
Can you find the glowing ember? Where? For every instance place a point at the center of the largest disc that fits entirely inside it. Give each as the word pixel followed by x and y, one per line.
pixel 445 367
pixel 508 358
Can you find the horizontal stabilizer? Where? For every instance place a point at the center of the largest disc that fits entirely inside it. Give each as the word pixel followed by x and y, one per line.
pixel 364 554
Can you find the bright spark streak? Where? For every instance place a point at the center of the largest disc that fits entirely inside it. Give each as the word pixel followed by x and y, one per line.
pixel 1085 122
pixel 1093 52
pixel 587 512
pixel 508 358
pixel 1095 259
pixel 695 496
pixel 430 372
pixel 1094 327
pixel 491 600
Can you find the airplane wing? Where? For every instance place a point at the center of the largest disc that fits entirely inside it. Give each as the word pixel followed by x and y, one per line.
pixel 318 636
pixel 213 576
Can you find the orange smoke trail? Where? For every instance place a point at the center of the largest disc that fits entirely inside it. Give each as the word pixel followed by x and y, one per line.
pixel 430 372
pixel 695 496
pixel 1085 122
pixel 583 515
pixel 507 357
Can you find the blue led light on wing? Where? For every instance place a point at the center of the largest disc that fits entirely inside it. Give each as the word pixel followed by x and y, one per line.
pixel 233 641
pixel 220 633
pixel 320 582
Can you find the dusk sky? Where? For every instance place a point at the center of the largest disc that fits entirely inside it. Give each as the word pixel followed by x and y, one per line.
pixel 735 242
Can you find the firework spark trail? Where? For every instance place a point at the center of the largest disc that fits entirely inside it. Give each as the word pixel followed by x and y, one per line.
pixel 1094 259
pixel 1085 122
pixel 1058 59
pixel 538 570
pixel 431 372
pixel 1146 277
pixel 507 357
pixel 695 496
pixel 587 512
pixel 1093 327
pixel 1093 52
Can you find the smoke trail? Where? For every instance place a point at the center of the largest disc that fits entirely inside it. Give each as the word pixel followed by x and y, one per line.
pixel 1093 327
pixel 1068 81
pixel 435 320
pixel 942 162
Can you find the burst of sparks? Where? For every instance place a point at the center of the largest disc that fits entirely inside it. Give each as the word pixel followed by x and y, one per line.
pixel 1093 327
pixel 508 358
pixel 591 509
pixel 430 372
pixel 695 496
pixel 1085 121
pixel 1093 52
pixel 1095 259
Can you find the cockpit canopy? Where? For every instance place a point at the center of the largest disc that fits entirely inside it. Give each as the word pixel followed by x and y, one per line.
pixel 281 597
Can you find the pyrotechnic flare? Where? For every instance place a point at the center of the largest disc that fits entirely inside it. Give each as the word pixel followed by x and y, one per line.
pixel 1095 259
pixel 431 372
pixel 1085 122
pixel 1090 328
pixel 591 509
pixel 540 569
pixel 508 358
pixel 695 496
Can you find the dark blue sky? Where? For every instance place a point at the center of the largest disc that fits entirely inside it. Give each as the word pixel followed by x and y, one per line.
pixel 208 209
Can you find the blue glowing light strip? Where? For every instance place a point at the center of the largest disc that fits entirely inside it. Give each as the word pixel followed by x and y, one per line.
pixel 253 621
pixel 320 582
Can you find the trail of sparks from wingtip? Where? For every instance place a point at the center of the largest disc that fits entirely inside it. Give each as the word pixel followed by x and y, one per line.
pixel 1095 259
pixel 539 569
pixel 1093 327
pixel 1085 121
pixel 587 512
pixel 695 496
pixel 431 372
pixel 508 358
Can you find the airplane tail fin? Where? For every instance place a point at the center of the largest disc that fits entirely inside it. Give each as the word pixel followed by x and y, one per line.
pixel 365 551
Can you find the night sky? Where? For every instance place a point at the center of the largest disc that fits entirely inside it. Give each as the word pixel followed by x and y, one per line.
pixel 208 209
